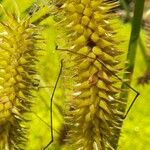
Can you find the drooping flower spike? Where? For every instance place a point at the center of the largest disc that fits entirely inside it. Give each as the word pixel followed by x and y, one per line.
pixel 19 47
pixel 93 115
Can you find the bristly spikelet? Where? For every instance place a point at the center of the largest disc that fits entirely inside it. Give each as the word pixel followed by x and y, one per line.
pixel 18 56
pixel 92 116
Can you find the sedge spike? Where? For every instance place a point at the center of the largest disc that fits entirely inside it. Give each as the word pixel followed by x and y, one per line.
pixel 18 56
pixel 93 115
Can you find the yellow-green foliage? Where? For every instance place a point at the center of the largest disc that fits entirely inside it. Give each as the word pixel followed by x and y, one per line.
pixel 18 56
pixel 92 116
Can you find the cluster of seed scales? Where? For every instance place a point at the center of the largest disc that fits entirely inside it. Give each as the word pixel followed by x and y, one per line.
pixel 92 116
pixel 18 54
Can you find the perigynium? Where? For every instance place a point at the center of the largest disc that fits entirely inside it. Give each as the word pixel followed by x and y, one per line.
pixel 19 47
pixel 93 116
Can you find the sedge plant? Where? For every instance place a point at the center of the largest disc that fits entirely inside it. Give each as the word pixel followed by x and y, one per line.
pixel 96 103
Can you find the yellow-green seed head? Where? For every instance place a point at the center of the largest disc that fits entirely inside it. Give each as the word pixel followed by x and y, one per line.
pixel 92 47
pixel 18 54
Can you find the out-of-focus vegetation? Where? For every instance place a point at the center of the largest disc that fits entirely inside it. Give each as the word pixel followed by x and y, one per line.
pixel 136 131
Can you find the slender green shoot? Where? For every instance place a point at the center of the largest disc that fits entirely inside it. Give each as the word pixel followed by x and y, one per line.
pixel 135 32
pixel 136 26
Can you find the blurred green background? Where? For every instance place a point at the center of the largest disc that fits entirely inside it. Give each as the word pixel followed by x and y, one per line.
pixel 136 129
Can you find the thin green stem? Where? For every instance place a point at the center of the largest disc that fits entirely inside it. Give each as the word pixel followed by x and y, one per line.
pixel 136 26
pixel 135 32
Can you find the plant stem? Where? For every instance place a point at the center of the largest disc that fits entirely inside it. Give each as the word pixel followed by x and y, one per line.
pixel 136 26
